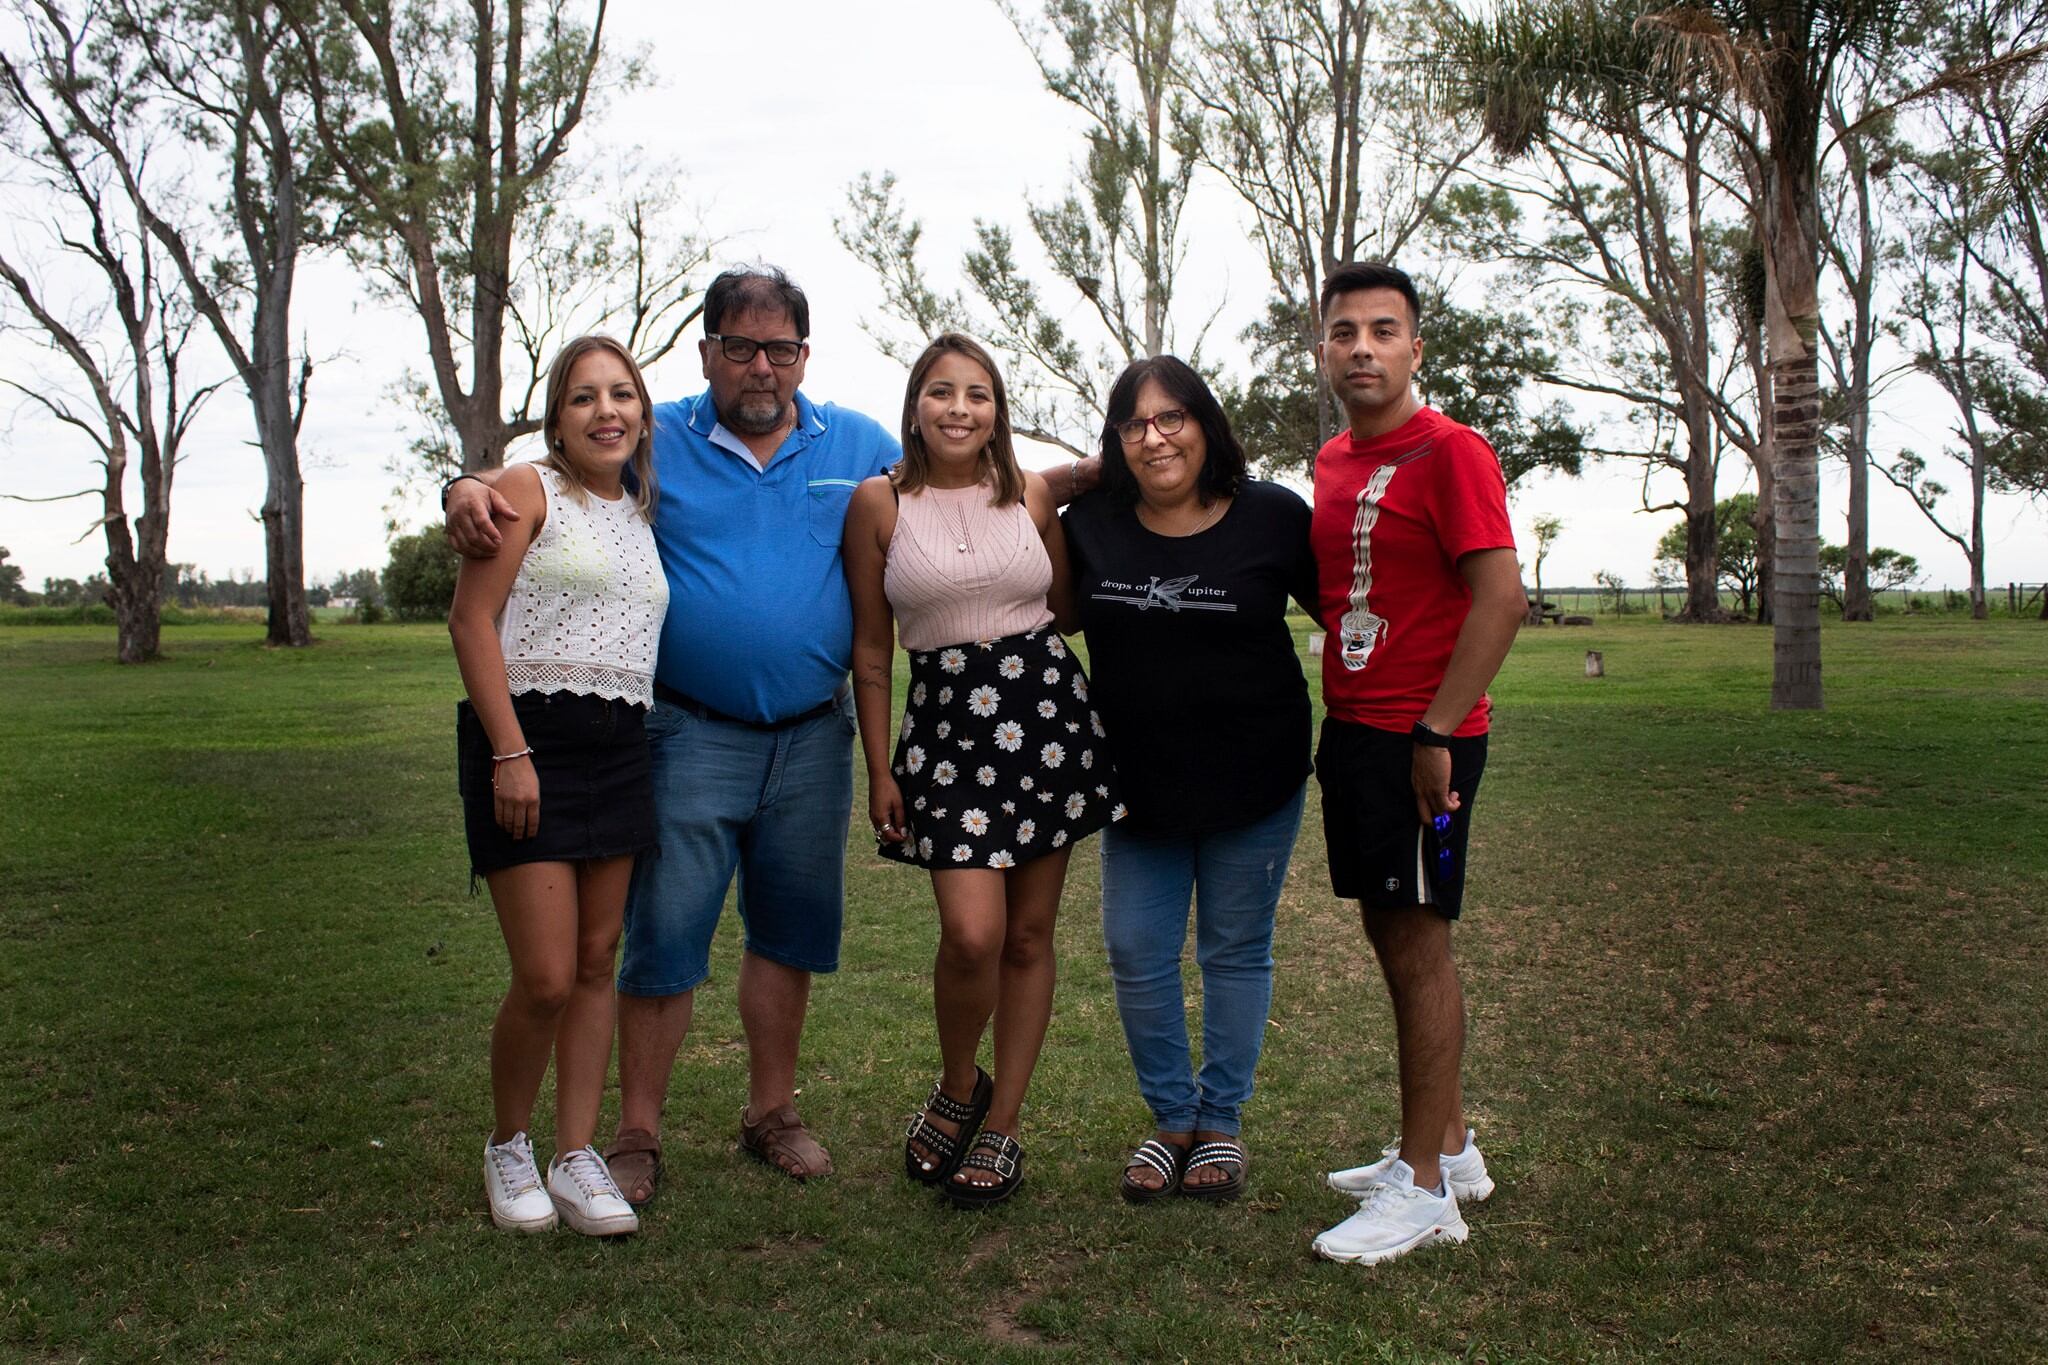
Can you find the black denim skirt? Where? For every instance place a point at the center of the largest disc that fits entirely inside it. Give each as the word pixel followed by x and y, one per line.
pixel 596 792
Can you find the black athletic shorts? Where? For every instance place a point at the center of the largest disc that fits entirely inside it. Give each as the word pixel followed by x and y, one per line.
pixel 1381 854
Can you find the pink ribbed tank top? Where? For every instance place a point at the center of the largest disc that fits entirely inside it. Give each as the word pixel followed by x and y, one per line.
pixel 943 594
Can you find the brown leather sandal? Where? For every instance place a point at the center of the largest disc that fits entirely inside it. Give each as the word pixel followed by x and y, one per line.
pixel 780 1139
pixel 635 1162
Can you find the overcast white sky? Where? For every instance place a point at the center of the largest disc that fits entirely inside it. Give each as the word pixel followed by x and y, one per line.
pixel 771 113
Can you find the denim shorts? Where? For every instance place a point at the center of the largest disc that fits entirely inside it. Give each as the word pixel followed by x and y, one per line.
pixel 772 806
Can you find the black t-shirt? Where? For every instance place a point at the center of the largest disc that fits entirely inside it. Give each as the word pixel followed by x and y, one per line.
pixel 1194 669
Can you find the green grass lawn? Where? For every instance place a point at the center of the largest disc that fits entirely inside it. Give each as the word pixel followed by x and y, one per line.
pixel 1757 1029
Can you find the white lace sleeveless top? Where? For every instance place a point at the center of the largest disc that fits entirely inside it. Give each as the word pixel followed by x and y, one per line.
pixel 585 613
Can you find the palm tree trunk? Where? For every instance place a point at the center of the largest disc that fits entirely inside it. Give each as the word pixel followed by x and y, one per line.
pixel 1792 333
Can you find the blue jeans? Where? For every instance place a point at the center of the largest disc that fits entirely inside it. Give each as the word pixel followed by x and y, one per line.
pixel 770 805
pixel 1234 877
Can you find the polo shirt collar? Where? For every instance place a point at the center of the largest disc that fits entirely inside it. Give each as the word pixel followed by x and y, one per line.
pixel 810 423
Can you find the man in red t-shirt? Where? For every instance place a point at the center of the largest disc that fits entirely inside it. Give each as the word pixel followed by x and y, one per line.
pixel 1421 594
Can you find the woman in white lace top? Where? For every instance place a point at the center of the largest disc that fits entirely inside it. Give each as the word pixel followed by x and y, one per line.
pixel 556 638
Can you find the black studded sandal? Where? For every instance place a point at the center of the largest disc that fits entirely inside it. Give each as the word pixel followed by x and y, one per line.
pixel 945 1149
pixel 1219 1153
pixel 996 1152
pixel 1167 1158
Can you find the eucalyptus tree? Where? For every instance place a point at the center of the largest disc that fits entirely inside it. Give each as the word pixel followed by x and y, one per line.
pixel 224 74
pixel 117 323
pixel 1312 118
pixel 448 126
pixel 1953 202
pixel 1636 208
pixel 1774 59
pixel 1113 242
pixel 1858 247
pixel 2002 114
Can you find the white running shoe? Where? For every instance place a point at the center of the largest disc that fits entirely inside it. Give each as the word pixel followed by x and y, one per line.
pixel 586 1196
pixel 1395 1219
pixel 1466 1173
pixel 513 1183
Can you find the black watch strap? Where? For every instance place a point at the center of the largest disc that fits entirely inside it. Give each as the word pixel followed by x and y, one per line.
pixel 1422 734
pixel 451 484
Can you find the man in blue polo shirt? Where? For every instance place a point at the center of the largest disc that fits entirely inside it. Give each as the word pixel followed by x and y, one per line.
pixel 752 726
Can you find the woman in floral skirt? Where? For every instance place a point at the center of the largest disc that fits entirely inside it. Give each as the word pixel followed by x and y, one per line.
pixel 999 765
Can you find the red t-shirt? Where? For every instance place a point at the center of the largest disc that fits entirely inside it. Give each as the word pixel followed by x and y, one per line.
pixel 1393 515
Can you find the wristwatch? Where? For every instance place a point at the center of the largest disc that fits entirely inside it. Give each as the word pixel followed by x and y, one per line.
pixel 450 485
pixel 1423 735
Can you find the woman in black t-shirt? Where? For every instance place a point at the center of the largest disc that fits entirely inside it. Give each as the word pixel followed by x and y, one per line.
pixel 1182 569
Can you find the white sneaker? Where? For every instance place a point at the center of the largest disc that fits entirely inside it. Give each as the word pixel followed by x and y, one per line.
pixel 1466 1173
pixel 586 1196
pixel 513 1184
pixel 1396 1218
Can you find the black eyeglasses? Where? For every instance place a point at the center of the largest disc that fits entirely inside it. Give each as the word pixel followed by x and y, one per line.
pixel 1445 861
pixel 741 350
pixel 1168 422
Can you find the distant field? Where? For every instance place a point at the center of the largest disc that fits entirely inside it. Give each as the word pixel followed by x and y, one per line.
pixel 1757 1029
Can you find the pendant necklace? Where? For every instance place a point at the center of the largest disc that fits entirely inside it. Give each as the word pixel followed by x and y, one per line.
pixel 966 542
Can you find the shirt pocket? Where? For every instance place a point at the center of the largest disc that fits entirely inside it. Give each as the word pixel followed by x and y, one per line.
pixel 828 499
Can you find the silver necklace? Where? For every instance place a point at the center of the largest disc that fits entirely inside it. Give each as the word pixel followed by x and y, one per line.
pixel 1201 525
pixel 966 542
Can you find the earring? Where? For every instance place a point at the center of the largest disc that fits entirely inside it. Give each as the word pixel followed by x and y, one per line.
pixel 913 429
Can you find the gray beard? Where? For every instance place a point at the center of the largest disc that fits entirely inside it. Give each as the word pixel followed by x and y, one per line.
pixel 755 414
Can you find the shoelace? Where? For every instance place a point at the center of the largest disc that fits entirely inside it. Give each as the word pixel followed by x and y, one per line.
pixel 592 1176
pixel 1385 1197
pixel 515 1168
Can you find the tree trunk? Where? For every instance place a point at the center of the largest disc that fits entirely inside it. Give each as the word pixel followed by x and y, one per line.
pixel 1702 531
pixel 1856 599
pixel 138 626
pixel 284 496
pixel 135 572
pixel 1765 523
pixel 1792 327
pixel 284 555
pixel 1979 608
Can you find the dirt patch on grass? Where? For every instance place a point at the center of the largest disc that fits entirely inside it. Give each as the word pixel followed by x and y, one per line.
pixel 999 1324
pixel 1845 792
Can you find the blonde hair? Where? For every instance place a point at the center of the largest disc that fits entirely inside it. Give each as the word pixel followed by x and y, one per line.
pixel 914 470
pixel 641 465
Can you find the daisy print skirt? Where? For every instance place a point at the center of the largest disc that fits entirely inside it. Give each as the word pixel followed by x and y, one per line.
pixel 1000 757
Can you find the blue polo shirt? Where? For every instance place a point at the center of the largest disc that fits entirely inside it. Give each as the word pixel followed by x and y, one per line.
pixel 759 622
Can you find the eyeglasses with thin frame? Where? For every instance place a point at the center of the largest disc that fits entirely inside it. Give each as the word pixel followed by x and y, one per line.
pixel 740 350
pixel 1167 423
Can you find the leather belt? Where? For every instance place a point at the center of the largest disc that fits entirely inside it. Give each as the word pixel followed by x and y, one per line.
pixel 667 694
